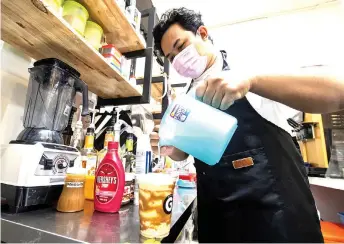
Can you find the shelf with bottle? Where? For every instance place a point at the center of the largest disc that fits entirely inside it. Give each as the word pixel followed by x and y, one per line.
pixel 41 33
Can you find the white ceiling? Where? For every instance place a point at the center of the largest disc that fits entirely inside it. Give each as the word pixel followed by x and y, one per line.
pixel 222 12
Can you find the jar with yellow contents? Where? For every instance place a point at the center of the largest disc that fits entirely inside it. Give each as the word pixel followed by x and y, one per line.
pixel 72 197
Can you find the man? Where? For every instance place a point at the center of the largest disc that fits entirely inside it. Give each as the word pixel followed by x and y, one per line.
pixel 269 199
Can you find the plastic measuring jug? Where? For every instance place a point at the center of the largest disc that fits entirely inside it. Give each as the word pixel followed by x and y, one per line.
pixel 197 128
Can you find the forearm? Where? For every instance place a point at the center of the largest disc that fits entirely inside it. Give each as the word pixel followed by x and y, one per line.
pixel 178 155
pixel 312 90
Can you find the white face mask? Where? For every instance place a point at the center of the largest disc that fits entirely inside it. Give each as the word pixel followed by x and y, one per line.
pixel 189 63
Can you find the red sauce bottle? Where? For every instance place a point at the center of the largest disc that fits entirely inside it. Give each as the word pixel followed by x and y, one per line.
pixel 109 182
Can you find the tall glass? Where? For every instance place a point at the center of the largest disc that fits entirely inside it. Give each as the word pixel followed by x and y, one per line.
pixel 156 202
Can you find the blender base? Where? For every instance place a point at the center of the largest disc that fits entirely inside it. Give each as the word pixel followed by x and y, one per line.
pixel 21 198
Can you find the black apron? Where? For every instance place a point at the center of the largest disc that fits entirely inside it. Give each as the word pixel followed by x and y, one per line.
pixel 269 201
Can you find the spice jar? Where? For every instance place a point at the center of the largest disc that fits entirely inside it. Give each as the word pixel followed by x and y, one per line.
pixel 72 197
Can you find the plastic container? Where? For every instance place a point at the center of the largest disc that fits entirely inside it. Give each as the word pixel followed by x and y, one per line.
pixel 52 87
pixel 53 4
pixel 111 49
pixel 197 129
pixel 341 217
pixel 113 61
pixel 332 232
pixel 187 181
pixel 134 17
pixel 93 34
pixel 143 155
pixel 76 15
pixel 110 181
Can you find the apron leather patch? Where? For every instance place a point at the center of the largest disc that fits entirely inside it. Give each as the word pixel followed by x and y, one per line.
pixel 242 163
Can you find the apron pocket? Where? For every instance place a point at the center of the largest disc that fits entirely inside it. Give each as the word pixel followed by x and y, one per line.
pixel 241 176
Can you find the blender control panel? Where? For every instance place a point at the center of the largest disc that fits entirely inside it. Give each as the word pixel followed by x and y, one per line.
pixel 55 163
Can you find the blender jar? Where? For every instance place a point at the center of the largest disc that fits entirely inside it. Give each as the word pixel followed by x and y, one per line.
pixel 49 100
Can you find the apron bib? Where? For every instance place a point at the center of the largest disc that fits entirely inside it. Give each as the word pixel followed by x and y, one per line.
pixel 259 191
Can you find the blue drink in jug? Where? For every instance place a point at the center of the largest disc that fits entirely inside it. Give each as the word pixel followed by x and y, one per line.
pixel 197 129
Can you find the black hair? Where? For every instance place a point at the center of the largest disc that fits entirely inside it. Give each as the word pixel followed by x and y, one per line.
pixel 186 18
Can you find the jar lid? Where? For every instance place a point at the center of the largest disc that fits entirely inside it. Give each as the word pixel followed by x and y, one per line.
pixel 129 176
pixel 58 63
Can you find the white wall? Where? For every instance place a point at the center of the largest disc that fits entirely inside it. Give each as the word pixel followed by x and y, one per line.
pixel 297 39
pixel 14 82
pixel 329 202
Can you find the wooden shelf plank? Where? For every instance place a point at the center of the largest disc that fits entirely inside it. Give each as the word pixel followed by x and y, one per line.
pixel 37 31
pixel 117 29
pixel 156 91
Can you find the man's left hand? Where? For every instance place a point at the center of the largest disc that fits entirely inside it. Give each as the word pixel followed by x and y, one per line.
pixel 222 92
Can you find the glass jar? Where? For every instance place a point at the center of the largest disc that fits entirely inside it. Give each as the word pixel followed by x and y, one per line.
pixel 72 197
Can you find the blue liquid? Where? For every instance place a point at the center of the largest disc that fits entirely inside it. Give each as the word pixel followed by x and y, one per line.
pixel 197 129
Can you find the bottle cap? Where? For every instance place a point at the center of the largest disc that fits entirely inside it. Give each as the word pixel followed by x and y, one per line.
pixel 110 128
pixel 90 130
pixel 112 145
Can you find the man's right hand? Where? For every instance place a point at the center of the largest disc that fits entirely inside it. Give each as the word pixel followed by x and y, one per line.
pixel 170 151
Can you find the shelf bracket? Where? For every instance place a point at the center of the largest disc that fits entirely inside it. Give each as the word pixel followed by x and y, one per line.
pixel 148 55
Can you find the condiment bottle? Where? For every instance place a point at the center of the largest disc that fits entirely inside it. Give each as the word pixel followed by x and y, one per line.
pixel 72 197
pixel 110 180
pixel 109 136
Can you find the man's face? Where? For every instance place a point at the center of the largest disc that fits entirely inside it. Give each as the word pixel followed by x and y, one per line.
pixel 176 39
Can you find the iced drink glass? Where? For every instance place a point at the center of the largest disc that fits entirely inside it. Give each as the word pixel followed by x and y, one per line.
pixel 155 204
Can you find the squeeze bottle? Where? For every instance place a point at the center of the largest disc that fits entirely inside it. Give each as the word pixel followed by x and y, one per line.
pixel 110 181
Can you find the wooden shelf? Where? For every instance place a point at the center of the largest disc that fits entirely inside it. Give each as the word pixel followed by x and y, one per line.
pixel 156 91
pixel 29 26
pixel 117 29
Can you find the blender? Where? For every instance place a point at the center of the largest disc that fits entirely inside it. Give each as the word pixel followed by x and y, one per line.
pixel 34 165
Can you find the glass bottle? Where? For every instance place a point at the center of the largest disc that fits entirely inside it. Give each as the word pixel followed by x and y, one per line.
pixel 89 154
pixel 109 136
pixel 129 155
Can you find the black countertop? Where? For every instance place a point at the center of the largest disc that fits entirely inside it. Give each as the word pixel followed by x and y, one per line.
pixel 48 225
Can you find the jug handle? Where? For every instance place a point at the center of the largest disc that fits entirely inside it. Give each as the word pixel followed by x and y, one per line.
pixel 82 87
pixel 192 93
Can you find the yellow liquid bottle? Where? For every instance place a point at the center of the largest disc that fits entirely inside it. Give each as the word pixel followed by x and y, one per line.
pixel 89 162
